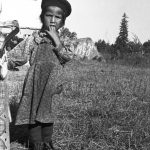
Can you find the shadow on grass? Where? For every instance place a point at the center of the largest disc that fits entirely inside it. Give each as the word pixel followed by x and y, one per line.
pixel 18 133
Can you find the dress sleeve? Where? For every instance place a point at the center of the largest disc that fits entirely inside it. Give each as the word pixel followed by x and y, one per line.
pixel 66 52
pixel 20 55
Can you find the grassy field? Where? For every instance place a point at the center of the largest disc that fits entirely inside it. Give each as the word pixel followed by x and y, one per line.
pixel 106 107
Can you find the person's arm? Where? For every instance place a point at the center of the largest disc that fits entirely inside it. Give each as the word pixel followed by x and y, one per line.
pixel 64 53
pixel 19 55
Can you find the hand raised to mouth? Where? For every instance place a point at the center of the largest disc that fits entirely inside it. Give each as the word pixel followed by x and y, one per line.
pixel 53 34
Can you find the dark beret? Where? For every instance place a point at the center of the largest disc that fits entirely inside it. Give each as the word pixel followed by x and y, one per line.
pixel 63 4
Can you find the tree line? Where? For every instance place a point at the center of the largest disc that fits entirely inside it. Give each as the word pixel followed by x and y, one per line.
pixel 123 46
pixel 121 49
pixel 129 51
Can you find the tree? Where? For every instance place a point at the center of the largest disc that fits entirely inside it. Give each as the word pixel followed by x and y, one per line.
pixel 66 33
pixel 73 36
pixel 122 40
pixel 101 45
pixel 146 46
pixel 135 45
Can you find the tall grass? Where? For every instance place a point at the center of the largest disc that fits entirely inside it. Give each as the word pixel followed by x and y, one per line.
pixel 107 107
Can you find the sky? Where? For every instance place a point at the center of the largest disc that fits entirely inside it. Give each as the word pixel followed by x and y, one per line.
pixel 97 19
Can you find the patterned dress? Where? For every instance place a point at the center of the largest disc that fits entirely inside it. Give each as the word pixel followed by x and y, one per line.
pixel 43 77
pixel 40 81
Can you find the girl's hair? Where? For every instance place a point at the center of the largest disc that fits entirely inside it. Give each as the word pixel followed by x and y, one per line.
pixel 42 17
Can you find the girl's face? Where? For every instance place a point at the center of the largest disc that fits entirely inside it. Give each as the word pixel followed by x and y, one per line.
pixel 53 17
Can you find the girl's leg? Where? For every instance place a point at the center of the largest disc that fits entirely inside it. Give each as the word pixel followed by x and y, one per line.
pixel 47 131
pixel 35 136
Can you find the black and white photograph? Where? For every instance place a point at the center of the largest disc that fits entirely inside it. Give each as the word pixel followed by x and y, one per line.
pixel 74 75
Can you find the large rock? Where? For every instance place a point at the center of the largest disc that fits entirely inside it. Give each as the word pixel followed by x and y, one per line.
pixel 82 48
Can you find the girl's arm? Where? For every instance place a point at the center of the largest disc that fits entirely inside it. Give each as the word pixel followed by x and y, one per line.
pixel 64 54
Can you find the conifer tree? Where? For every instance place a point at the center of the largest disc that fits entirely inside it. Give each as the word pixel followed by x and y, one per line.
pixel 122 39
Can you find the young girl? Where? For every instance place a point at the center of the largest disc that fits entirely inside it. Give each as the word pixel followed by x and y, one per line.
pixel 43 50
pixel 47 55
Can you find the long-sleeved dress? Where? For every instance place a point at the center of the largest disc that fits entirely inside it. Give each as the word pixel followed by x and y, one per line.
pixel 43 75
pixel 41 79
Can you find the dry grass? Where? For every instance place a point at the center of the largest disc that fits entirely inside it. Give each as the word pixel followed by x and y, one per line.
pixel 105 107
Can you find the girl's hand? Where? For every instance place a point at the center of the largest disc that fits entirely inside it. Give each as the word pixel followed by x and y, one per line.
pixel 53 34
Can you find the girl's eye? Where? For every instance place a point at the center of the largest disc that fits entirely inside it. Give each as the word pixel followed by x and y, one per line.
pixel 50 15
pixel 58 16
